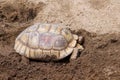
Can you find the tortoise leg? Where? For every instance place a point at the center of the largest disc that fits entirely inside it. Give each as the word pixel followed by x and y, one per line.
pixel 80 47
pixel 74 54
pixel 76 51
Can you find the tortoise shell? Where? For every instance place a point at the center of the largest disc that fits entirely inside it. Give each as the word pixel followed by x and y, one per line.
pixel 46 42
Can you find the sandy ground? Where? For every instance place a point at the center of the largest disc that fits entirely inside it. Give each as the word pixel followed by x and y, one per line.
pixel 97 20
pixel 99 16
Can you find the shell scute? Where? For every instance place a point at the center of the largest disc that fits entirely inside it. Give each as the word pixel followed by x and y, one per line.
pixel 33 40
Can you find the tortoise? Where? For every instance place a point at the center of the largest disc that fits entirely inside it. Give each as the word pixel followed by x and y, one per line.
pixel 47 41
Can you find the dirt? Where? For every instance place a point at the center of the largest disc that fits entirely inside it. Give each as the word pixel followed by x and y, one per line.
pixel 99 61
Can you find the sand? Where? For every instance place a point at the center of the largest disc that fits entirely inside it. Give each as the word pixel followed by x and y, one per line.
pixel 97 21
